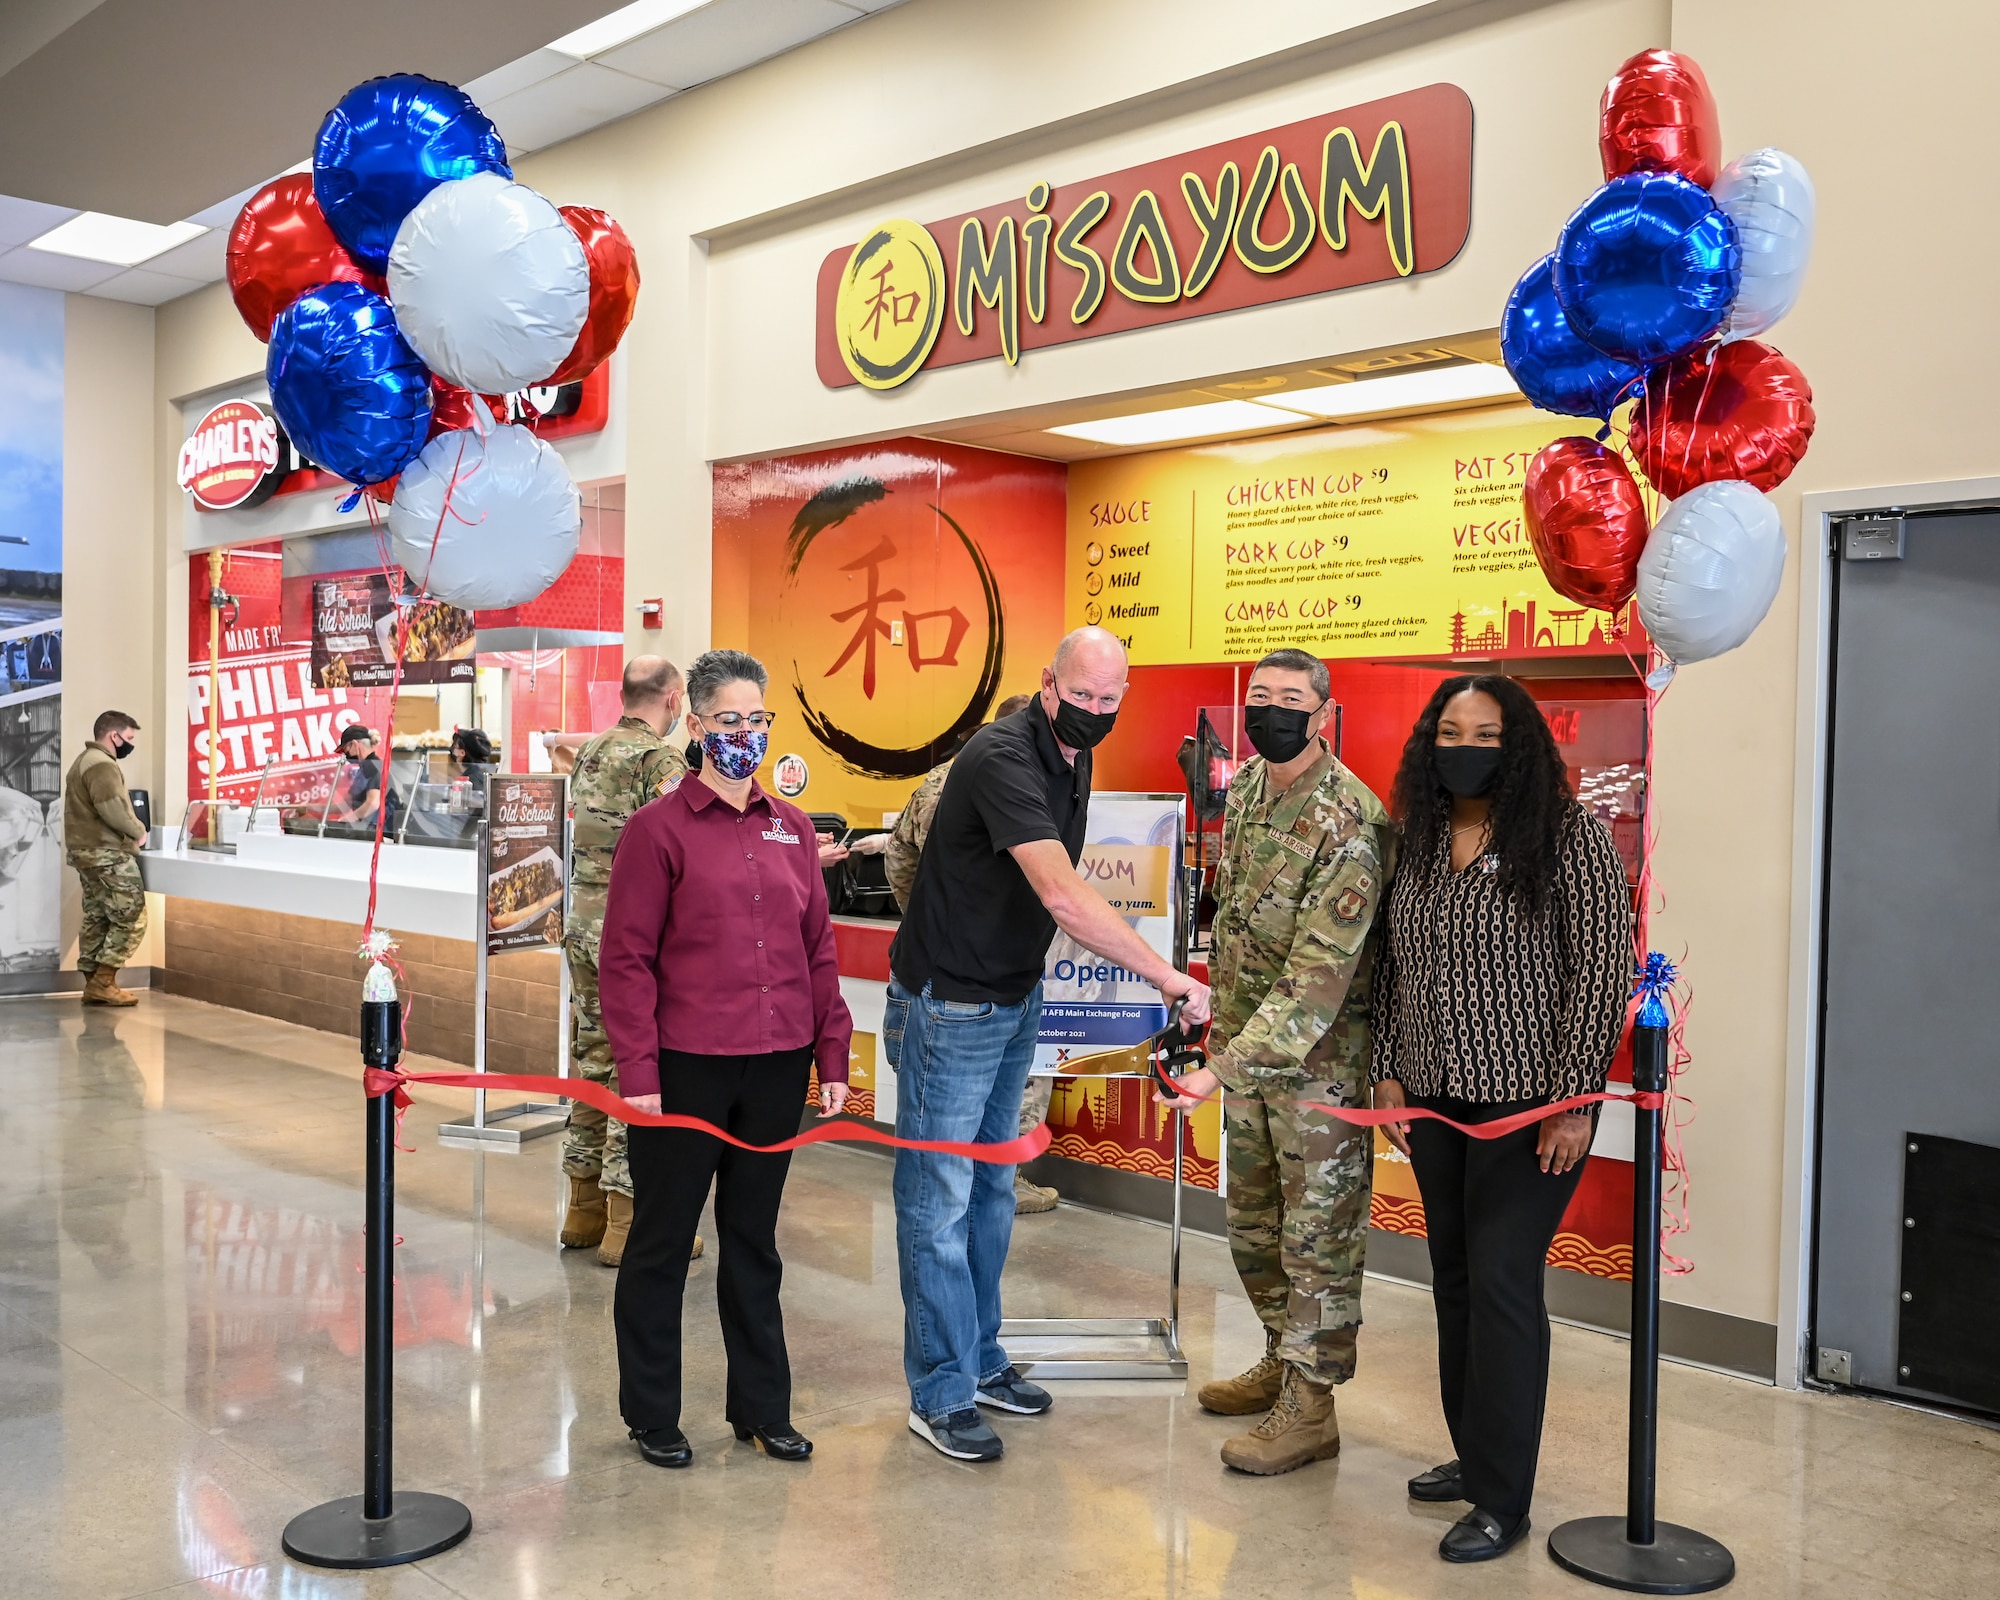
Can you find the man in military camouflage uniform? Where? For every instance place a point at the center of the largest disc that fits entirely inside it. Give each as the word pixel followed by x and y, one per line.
pixel 616 773
pixel 906 845
pixel 1306 857
pixel 102 836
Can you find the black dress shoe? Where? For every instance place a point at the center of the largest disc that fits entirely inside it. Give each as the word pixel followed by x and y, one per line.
pixel 1480 1536
pixel 783 1442
pixel 1440 1483
pixel 664 1447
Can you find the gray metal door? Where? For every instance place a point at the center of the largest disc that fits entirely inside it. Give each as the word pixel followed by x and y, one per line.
pixel 1911 1003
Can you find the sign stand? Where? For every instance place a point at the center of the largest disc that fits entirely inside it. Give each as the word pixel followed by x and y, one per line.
pixel 1111 1347
pixel 1122 1347
pixel 511 1126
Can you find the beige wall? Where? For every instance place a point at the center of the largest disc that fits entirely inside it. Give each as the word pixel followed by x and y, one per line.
pixel 733 193
pixel 111 560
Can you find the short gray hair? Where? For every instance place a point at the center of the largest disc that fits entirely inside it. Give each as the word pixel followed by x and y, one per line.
pixel 714 670
pixel 1301 661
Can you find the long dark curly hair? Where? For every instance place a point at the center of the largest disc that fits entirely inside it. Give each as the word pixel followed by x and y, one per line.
pixel 1532 798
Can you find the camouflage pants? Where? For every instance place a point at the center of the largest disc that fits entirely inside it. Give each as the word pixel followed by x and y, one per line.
pixel 1297 1203
pixel 114 908
pixel 593 1144
pixel 1035 1102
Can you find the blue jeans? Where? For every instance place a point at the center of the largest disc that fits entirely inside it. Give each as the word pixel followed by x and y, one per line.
pixel 960 1071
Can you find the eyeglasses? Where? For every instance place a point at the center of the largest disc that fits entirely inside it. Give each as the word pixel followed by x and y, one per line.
pixel 730 721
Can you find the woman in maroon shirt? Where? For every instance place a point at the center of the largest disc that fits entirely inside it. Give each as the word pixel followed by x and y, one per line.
pixel 719 989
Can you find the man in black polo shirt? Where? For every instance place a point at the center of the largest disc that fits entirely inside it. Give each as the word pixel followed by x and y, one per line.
pixel 997 878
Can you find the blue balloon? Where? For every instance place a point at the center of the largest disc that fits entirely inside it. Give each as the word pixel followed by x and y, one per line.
pixel 1647 267
pixel 1556 369
pixel 387 144
pixel 349 391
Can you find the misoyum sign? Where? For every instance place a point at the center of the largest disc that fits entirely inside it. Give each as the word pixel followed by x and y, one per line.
pixel 1364 195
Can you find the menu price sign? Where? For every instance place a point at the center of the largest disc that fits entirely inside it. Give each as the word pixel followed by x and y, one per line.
pixel 524 871
pixel 354 635
pixel 1400 538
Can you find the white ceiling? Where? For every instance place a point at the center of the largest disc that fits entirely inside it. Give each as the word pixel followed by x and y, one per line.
pixel 536 100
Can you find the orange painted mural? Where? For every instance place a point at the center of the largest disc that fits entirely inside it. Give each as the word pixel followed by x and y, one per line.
pixel 897 592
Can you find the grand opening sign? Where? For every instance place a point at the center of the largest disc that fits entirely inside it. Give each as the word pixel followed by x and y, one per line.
pixel 1371 193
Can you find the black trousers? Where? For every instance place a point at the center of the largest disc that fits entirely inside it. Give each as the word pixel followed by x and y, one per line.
pixel 1491 1213
pixel 759 1099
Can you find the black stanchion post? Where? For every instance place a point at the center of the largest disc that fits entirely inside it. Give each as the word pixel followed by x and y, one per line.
pixel 1637 1552
pixel 378 1527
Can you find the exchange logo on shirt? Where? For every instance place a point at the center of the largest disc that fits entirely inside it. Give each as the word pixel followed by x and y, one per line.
pixel 778 834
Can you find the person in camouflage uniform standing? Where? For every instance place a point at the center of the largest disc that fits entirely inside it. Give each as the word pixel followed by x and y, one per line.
pixel 1307 853
pixel 616 773
pixel 102 836
pixel 906 846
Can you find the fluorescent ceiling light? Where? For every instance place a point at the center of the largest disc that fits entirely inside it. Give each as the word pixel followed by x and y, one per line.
pixel 1183 422
pixel 1402 391
pixel 627 22
pixel 119 240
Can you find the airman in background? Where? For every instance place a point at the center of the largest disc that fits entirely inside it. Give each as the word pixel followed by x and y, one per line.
pixel 616 773
pixel 1307 854
pixel 102 836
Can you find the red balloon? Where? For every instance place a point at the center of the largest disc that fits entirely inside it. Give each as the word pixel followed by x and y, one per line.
pixel 614 291
pixel 280 247
pixel 1748 416
pixel 451 407
pixel 1586 521
pixel 1658 115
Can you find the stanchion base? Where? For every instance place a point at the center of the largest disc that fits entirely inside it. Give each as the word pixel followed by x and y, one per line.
pixel 337 1535
pixel 1678 1561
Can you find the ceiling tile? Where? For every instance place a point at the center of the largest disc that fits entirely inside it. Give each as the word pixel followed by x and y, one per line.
pixel 144 288
pixel 47 270
pixel 22 220
pixel 724 37
pixel 570 103
pixel 199 259
pixel 223 213
pixel 516 76
pixel 873 5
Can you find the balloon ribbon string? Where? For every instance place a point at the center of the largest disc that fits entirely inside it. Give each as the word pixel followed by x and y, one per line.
pixel 376 1082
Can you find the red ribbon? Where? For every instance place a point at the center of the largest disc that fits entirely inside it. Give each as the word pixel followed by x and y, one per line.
pixel 1499 1127
pixel 376 1082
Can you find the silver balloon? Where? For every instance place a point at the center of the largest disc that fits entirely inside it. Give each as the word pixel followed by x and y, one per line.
pixel 511 525
pixel 491 286
pixel 1710 570
pixel 1769 197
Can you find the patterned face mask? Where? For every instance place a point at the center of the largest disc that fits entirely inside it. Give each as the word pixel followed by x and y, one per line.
pixel 737 753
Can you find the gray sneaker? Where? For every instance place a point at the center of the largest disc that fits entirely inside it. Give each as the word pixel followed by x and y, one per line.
pixel 964 1435
pixel 1012 1392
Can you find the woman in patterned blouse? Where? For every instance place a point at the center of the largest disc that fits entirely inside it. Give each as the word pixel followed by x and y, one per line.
pixel 1502 985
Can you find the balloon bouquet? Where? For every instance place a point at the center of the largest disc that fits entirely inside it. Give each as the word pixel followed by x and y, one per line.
pixel 1653 297
pixel 404 287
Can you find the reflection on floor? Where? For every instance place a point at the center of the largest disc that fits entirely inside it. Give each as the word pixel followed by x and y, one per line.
pixel 179 1312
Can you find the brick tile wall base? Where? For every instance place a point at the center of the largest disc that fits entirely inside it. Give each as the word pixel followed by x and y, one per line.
pixel 304 970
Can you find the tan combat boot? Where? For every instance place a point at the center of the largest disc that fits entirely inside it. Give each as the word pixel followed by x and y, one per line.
pixel 1302 1427
pixel 1030 1199
pixel 101 989
pixel 583 1224
pixel 1249 1393
pixel 619 1212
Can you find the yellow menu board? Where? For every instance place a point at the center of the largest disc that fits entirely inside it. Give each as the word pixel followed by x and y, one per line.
pixel 1400 538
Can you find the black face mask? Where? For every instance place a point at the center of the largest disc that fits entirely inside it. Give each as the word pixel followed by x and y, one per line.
pixel 1080 729
pixel 123 750
pixel 1467 770
pixel 1278 732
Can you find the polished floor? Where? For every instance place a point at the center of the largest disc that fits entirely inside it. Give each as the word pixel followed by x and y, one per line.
pixel 179 1375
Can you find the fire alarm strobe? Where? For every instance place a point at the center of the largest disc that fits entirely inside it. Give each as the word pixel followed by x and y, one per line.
pixel 230 461
pixel 652 613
